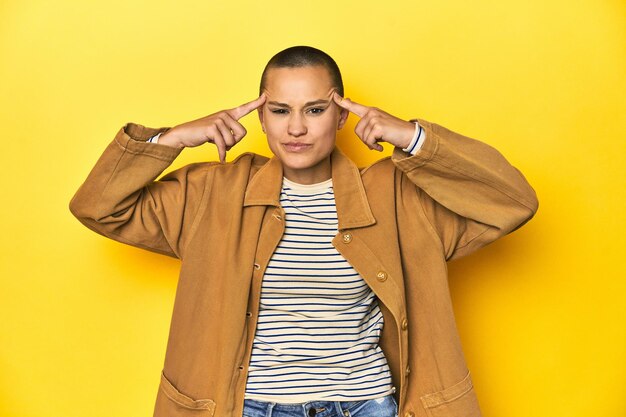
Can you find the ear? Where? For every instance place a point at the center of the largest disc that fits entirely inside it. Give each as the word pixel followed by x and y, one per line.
pixel 261 119
pixel 343 116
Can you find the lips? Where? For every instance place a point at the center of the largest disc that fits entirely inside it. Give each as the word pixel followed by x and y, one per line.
pixel 296 146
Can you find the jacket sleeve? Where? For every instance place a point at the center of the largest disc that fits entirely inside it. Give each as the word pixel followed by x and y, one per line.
pixel 120 198
pixel 469 192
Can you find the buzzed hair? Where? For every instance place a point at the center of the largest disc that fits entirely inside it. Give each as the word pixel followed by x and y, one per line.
pixel 304 56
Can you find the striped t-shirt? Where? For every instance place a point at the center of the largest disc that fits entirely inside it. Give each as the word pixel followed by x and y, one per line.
pixel 319 323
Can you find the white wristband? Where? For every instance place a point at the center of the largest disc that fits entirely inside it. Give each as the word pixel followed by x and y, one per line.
pixel 418 140
pixel 155 138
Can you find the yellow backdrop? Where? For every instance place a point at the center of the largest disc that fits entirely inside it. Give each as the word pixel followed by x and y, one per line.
pixel 84 320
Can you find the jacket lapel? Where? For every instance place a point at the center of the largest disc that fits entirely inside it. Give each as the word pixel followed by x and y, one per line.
pixel 264 187
pixel 353 209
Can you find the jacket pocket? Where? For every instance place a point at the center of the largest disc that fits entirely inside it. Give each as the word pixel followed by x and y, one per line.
pixel 172 403
pixel 459 400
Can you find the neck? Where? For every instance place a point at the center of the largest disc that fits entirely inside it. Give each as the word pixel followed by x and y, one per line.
pixel 313 175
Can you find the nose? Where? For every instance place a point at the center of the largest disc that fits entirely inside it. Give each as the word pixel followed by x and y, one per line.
pixel 296 127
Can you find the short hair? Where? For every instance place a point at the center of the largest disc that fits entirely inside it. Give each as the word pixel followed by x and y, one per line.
pixel 304 56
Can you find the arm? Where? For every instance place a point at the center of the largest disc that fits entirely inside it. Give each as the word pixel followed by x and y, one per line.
pixel 468 190
pixel 121 199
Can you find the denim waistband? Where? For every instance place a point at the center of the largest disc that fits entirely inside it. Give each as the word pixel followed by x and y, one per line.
pixel 383 407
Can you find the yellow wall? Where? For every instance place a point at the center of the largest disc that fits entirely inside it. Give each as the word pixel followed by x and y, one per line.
pixel 84 320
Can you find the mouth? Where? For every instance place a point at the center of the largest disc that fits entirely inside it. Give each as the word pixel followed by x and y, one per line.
pixel 296 146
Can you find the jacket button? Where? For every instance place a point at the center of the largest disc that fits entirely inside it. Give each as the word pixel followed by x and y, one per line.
pixel 249 314
pixel 408 369
pixel 278 217
pixel 257 266
pixel 347 238
pixel 382 276
pixel 409 414
pixel 405 324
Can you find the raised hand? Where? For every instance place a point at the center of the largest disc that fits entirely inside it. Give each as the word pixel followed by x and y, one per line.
pixel 377 126
pixel 221 128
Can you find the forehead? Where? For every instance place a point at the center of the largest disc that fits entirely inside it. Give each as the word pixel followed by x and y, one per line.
pixel 309 82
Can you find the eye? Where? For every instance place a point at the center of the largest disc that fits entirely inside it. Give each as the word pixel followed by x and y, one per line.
pixel 279 111
pixel 317 110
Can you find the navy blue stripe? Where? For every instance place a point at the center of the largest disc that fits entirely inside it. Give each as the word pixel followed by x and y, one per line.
pixel 343 332
pixel 316 342
pixel 339 313
pixel 340 357
pixel 309 275
pixel 306 389
pixel 308 214
pixel 329 193
pixel 322 222
pixel 310 235
pixel 313 248
pixel 273 295
pixel 309 269
pixel 331 304
pixel 303 206
pixel 334 319
pixel 363 363
pixel 308 254
pixel 310 228
pixel 303 262
pixel 375 377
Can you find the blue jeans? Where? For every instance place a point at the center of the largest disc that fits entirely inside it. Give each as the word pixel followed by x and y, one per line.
pixel 379 407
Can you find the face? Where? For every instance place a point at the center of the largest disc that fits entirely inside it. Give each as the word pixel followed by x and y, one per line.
pixel 301 121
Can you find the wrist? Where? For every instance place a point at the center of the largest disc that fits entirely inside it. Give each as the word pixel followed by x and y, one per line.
pixel 170 140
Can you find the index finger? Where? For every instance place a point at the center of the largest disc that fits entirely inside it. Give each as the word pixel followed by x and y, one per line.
pixel 350 105
pixel 238 112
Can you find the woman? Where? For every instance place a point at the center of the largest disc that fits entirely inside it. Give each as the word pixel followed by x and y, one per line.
pixel 308 286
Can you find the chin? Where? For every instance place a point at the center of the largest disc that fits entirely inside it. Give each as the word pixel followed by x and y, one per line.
pixel 299 163
pixel 305 162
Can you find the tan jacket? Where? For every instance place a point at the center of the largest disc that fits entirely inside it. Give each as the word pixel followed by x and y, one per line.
pixel 400 220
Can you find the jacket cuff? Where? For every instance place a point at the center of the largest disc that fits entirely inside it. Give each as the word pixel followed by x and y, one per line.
pixel 133 138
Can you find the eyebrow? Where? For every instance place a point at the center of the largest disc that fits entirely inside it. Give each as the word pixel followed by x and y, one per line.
pixel 310 103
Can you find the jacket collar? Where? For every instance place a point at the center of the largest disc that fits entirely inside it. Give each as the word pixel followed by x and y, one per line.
pixel 353 210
